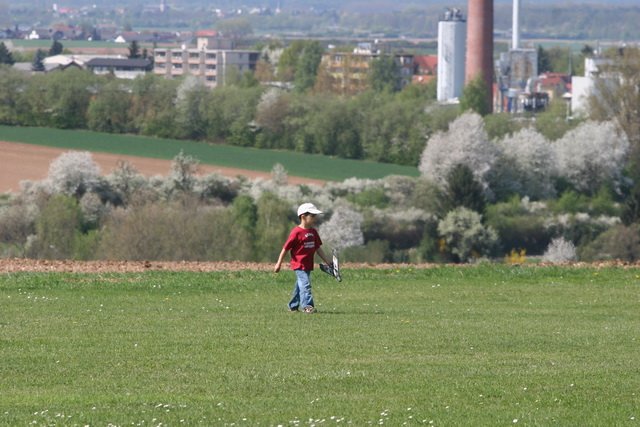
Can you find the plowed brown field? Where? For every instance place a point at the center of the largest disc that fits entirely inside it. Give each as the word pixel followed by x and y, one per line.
pixel 19 162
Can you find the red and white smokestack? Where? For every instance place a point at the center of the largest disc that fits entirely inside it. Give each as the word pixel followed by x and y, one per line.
pixel 480 42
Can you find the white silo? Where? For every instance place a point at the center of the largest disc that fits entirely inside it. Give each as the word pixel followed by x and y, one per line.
pixel 452 36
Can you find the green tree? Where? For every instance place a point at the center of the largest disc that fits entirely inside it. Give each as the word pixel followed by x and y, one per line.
pixel 56 48
pixel 326 125
pixel 68 95
pixel 134 50
pixel 307 66
pixel 109 110
pixel 292 59
pixel 12 84
pixel 544 61
pixel 393 128
pixel 38 64
pixel 228 113
pixel 462 190
pixel 5 55
pixel 153 111
pixel 476 97
pixel 384 74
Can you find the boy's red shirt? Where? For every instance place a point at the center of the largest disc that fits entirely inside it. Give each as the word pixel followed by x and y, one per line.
pixel 302 244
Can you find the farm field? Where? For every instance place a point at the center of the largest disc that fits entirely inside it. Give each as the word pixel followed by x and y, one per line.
pixel 297 164
pixel 20 162
pixel 477 345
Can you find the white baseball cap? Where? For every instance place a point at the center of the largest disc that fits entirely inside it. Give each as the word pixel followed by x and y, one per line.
pixel 308 208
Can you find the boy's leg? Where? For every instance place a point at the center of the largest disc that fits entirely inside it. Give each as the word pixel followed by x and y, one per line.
pixel 294 304
pixel 304 287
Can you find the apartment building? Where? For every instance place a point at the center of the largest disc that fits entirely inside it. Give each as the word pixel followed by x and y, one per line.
pixel 349 71
pixel 211 66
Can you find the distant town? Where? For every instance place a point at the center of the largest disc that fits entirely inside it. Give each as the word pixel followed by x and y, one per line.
pixel 521 82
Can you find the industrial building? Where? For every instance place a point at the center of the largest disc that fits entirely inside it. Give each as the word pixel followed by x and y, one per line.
pixel 452 35
pixel 479 55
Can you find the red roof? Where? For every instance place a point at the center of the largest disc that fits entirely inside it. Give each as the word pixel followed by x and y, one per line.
pixel 555 79
pixel 207 33
pixel 426 64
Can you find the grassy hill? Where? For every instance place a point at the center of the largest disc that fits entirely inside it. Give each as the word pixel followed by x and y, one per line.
pixel 296 164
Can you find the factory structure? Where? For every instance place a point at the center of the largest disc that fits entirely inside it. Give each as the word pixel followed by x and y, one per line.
pixel 465 52
pixel 452 38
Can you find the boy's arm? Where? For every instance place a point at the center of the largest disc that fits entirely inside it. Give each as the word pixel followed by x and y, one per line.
pixel 324 257
pixel 283 252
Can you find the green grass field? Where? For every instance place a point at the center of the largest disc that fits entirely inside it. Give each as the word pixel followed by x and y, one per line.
pixel 480 346
pixel 296 164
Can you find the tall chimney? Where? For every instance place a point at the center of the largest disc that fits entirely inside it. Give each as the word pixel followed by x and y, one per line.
pixel 515 32
pixel 480 42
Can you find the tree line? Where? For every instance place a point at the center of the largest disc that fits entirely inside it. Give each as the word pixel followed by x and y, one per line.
pixel 383 126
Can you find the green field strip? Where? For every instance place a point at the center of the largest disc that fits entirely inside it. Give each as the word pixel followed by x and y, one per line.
pixel 296 164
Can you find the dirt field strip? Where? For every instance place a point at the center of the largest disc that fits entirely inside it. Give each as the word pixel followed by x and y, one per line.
pixel 20 162
pixel 17 265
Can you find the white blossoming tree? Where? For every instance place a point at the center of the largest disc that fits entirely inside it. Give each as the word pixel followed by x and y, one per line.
pixel 467 143
pixel 343 229
pixel 591 155
pixel 527 165
pixel 183 172
pixel 73 173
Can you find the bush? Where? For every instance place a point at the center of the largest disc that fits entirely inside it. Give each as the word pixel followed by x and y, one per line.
pixel 57 228
pixel 179 230
pixel 274 222
pixel 216 187
pixel 428 197
pixel 465 236
pixel 581 227
pixel 559 251
pixel 17 221
pixel 374 252
pixel 402 229
pixel 520 225
pixel 618 243
pixel 373 197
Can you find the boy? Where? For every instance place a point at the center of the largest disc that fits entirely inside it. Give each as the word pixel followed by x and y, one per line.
pixel 303 242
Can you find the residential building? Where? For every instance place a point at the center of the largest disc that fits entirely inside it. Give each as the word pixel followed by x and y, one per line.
pixel 555 85
pixel 425 68
pixel 122 68
pixel 210 39
pixel 211 66
pixel 349 71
